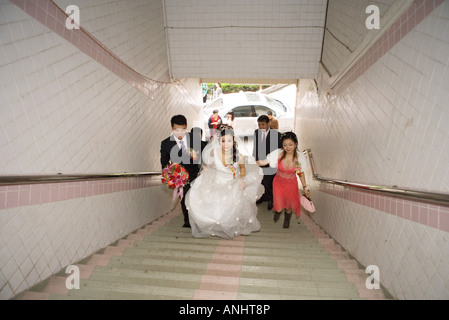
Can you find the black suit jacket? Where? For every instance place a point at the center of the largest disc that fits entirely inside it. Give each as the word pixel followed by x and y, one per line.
pixel 171 153
pixel 272 142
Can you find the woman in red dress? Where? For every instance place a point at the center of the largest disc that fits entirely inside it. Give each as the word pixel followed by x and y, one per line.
pixel 290 163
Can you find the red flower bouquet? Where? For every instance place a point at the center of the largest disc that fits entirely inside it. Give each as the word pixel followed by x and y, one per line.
pixel 176 177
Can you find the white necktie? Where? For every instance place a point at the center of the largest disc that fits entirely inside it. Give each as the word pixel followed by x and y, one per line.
pixel 262 142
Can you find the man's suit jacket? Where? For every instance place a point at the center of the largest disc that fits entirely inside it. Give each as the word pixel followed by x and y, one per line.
pixel 272 142
pixel 171 153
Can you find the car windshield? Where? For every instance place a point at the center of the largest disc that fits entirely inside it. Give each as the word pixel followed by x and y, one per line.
pixel 276 104
pixel 261 110
pixel 242 102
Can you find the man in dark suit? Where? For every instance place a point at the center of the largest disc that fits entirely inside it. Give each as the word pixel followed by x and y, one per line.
pixel 178 149
pixel 266 140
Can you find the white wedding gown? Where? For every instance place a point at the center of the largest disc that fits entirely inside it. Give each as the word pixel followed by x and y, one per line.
pixel 218 204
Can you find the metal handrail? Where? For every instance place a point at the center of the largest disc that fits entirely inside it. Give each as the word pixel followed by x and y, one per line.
pixel 53 178
pixel 424 196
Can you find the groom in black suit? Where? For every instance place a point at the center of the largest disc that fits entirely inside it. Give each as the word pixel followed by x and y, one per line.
pixel 266 140
pixel 177 149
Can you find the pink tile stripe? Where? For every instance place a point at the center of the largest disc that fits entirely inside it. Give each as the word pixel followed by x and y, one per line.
pixel 222 278
pixel 431 215
pixel 54 18
pixel 419 10
pixel 33 194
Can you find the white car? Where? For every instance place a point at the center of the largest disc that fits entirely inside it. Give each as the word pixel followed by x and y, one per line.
pixel 247 107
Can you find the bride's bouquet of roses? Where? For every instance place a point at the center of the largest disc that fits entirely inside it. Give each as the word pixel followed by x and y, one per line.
pixel 175 176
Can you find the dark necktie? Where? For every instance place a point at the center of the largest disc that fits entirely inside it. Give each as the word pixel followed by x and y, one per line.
pixel 183 147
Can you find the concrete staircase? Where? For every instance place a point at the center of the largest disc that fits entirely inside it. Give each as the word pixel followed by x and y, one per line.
pixel 163 261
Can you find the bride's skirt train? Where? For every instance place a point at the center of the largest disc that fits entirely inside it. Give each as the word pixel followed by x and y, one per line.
pixel 223 206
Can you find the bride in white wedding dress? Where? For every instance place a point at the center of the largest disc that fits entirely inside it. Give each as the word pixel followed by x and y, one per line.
pixel 222 200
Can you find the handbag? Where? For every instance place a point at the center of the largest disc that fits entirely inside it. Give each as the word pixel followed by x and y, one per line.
pixel 307 203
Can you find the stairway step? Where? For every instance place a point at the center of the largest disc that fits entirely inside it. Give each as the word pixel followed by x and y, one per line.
pixel 292 273
pixel 32 295
pixel 185 275
pixel 180 250
pixel 302 291
pixel 280 283
pixel 158 265
pixel 166 279
pixel 264 296
pixel 144 273
pixel 176 263
pixel 147 279
pixel 266 242
pixel 104 289
pixel 297 250
pixel 56 284
pixel 330 275
pixel 278 232
pixel 99 259
pixel 298 262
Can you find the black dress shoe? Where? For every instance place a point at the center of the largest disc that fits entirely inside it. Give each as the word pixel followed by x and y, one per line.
pixel 270 205
pixel 186 225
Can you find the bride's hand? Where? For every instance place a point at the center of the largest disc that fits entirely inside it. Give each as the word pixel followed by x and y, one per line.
pixel 193 154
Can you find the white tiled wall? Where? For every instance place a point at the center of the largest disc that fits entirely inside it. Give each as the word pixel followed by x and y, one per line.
pixel 133 30
pixel 389 127
pixel 38 241
pixel 63 112
pixel 245 39
pixel 346 29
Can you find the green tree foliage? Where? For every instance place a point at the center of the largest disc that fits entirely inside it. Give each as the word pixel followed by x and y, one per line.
pixel 231 88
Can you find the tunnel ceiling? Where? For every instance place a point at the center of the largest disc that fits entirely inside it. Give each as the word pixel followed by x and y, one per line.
pixel 253 40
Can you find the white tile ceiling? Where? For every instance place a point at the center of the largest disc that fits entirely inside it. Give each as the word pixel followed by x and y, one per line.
pixel 245 39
